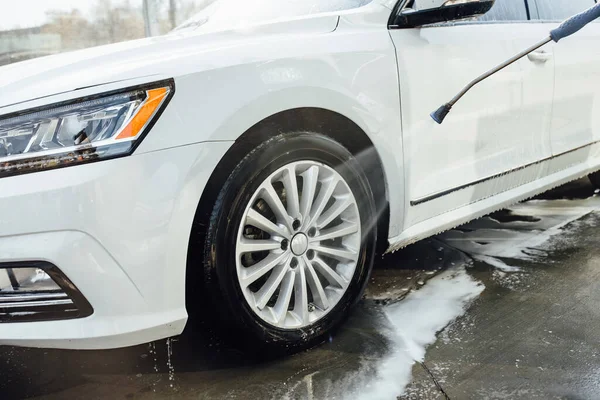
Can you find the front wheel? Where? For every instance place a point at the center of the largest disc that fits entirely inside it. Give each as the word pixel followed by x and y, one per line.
pixel 291 242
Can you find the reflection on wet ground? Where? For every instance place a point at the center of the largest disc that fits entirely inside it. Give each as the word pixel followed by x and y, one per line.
pixel 526 277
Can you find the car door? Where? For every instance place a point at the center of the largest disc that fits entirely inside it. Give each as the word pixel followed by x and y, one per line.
pixel 576 113
pixel 501 125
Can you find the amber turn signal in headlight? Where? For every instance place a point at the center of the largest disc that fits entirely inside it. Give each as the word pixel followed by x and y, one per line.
pixel 84 130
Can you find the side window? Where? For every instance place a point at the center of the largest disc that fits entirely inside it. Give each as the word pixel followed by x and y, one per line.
pixel 507 10
pixel 558 10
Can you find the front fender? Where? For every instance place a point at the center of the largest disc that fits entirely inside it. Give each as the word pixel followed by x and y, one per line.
pixel 222 104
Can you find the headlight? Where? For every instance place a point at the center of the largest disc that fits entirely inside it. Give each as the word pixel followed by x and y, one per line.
pixel 80 131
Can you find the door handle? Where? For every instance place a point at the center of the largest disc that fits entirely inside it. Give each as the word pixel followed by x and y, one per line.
pixel 539 56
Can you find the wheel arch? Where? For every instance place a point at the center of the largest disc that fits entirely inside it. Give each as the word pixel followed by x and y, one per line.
pixel 330 123
pixel 327 122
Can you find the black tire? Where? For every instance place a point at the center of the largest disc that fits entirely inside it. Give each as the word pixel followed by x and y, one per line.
pixel 595 179
pixel 220 278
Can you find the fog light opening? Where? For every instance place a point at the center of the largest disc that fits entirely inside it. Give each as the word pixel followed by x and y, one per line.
pixel 38 291
pixel 26 280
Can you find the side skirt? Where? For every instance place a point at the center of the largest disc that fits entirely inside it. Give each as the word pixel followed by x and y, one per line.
pixel 498 192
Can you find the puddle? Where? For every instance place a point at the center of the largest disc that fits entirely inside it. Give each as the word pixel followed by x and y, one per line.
pixel 521 233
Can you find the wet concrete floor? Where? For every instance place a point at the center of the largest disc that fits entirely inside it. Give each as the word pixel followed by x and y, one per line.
pixel 532 333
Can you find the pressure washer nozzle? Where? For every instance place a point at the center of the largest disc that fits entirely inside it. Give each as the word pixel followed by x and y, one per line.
pixel 440 114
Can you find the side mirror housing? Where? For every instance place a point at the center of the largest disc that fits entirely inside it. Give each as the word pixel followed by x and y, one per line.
pixel 425 12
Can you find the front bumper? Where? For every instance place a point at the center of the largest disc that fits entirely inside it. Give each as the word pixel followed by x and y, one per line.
pixel 119 231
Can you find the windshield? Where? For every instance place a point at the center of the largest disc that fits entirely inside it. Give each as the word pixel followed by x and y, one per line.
pixel 218 14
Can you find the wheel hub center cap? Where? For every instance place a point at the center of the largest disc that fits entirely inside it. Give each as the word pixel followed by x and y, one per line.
pixel 299 244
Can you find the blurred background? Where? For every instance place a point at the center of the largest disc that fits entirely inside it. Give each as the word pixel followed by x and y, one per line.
pixel 35 28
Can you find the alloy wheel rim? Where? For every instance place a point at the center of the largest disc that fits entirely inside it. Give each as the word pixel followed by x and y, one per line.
pixel 298 244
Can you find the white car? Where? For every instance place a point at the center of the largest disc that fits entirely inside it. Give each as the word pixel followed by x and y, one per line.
pixel 248 167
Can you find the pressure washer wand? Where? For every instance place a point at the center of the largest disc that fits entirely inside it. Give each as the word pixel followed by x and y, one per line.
pixel 567 28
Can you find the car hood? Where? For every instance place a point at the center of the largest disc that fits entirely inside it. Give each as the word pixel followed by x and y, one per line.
pixel 47 76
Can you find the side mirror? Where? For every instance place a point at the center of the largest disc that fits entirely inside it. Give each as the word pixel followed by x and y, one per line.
pixel 424 12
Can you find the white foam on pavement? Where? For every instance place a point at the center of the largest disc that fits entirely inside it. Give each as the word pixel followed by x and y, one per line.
pixel 416 321
pixel 496 263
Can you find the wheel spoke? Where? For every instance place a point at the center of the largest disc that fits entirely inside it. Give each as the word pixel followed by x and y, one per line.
pixel 325 194
pixel 309 188
pixel 334 211
pixel 339 254
pixel 332 277
pixel 316 288
pixel 270 196
pixel 300 296
pixel 258 270
pixel 250 246
pixel 318 202
pixel 266 292
pixel 285 295
pixel 344 229
pixel 257 220
pixel 290 182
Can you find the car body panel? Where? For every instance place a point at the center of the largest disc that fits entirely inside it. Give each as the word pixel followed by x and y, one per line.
pixel 175 55
pixel 576 113
pixel 502 124
pixel 576 110
pixel 119 230
pixel 122 316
